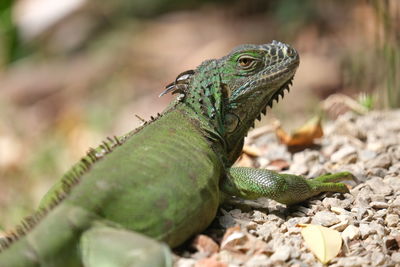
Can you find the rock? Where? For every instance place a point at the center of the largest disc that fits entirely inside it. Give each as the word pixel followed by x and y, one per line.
pixel 378 258
pixel 329 202
pixel 316 170
pixel 392 220
pixel 351 233
pixel 379 172
pixel 274 218
pixel 382 161
pixel 379 214
pixel 366 155
pixel 344 154
pixel 345 220
pixel 366 230
pixel 302 162
pixel 264 231
pixel 251 226
pixel 352 261
pixel 308 258
pixel 259 261
pixel 391 243
pixel 292 222
pixel 363 197
pixel 259 217
pixel 379 205
pixel 377 227
pixel 226 220
pixel 185 262
pixel 325 218
pixel 303 211
pixel 339 211
pixel 378 186
pixel 281 254
pixel 396 257
pixel 393 181
pixel 376 146
pixel 394 169
pixel 340 226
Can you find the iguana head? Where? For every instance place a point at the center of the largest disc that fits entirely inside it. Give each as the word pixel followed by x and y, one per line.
pixel 254 76
pixel 231 93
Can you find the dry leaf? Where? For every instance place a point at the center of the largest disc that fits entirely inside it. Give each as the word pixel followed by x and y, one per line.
pixel 324 242
pixel 303 136
pixel 244 161
pixel 232 238
pixel 252 151
pixel 205 244
pixel 278 165
pixel 238 242
pixel 210 262
pixel 338 104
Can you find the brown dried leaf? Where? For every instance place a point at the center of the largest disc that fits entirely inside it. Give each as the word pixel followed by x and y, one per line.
pixel 210 262
pixel 233 237
pixel 278 165
pixel 303 136
pixel 244 161
pixel 237 241
pixel 205 244
pixel 252 151
pixel 338 104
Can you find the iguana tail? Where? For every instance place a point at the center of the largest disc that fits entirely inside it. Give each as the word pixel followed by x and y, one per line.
pixel 52 242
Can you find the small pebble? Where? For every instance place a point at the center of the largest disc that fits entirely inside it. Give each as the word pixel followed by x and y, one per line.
pixel 281 254
pixel 396 257
pixel 379 205
pixel 378 186
pixel 343 153
pixel 351 232
pixel 392 220
pixel 366 230
pixel 325 218
pixel 382 161
pixel 339 211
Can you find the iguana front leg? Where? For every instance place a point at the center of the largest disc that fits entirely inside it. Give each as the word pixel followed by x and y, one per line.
pixel 250 183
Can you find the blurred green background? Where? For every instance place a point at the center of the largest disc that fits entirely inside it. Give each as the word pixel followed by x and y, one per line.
pixel 74 71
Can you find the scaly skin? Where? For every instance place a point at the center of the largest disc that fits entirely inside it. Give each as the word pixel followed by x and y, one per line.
pixel 165 180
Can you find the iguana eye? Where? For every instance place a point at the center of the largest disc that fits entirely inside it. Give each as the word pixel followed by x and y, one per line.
pixel 246 62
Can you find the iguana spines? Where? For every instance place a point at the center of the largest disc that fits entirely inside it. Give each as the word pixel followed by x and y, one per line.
pixel 64 186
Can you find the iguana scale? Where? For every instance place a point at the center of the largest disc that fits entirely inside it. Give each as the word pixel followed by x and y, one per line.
pixel 127 201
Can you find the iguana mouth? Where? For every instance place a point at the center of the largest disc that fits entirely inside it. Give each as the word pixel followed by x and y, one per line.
pixel 275 96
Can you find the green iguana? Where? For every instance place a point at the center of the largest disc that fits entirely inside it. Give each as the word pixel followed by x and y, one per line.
pixel 126 202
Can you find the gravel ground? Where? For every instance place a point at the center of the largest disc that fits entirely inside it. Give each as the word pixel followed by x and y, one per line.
pixel 264 233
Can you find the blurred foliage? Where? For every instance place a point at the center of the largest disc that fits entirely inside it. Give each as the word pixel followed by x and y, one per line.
pixel 300 13
pixel 366 100
pixel 389 47
pixel 8 33
pixel 376 69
